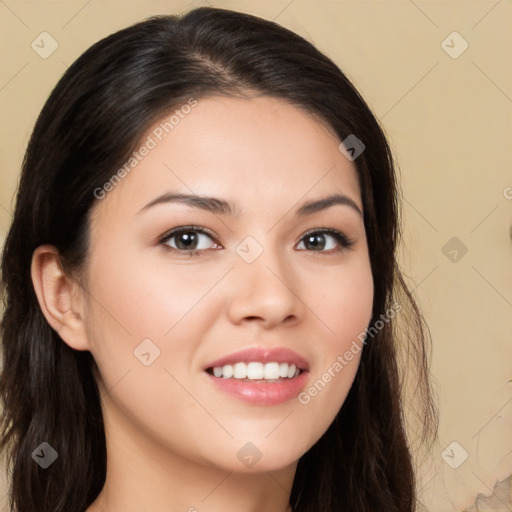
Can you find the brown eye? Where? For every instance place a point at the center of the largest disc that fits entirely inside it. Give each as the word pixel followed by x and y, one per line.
pixel 322 241
pixel 188 239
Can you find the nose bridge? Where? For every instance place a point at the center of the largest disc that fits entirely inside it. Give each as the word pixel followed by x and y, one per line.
pixel 265 283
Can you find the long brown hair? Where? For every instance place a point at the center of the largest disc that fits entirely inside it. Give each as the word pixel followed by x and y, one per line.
pixel 87 129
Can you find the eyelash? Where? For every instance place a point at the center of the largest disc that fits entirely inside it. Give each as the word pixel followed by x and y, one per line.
pixel 345 242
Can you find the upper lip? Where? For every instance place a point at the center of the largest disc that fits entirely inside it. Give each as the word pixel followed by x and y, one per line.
pixel 262 355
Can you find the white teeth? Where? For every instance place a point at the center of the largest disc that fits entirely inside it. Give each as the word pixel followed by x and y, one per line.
pixel 271 371
pixel 240 371
pixel 257 371
pixel 227 371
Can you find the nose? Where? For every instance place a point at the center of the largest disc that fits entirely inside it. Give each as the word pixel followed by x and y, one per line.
pixel 266 292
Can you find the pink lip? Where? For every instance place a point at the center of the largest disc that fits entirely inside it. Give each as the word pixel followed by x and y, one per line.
pixel 260 392
pixel 262 355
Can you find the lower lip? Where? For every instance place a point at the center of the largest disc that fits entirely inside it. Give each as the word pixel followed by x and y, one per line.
pixel 261 393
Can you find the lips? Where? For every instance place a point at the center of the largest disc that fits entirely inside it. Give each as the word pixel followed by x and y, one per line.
pixel 260 376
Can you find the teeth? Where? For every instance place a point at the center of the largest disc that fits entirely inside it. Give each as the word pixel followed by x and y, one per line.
pixel 227 371
pixel 271 371
pixel 291 371
pixel 240 371
pixel 257 371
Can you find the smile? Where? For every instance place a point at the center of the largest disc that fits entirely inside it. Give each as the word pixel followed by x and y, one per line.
pixel 256 370
pixel 260 376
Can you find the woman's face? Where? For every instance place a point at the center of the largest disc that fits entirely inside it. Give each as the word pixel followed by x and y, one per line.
pixel 262 290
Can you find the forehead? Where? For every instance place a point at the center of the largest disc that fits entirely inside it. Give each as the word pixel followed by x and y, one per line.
pixel 253 152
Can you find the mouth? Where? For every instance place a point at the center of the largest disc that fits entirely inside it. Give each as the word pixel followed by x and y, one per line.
pixel 260 376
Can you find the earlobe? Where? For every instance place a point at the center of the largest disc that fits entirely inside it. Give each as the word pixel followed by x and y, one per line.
pixel 59 297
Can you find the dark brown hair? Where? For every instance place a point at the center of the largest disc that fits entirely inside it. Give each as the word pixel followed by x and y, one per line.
pixel 87 129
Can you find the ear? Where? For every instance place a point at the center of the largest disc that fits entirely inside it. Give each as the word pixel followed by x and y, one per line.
pixel 60 298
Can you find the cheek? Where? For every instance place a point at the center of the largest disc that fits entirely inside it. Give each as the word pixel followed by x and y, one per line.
pixel 344 302
pixel 344 306
pixel 132 301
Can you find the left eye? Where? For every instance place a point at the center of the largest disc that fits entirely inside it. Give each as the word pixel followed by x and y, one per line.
pixel 187 239
pixel 317 240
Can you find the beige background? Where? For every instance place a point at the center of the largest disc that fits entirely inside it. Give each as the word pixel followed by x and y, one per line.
pixel 450 123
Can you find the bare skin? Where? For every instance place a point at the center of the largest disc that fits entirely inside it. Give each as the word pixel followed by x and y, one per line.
pixel 172 436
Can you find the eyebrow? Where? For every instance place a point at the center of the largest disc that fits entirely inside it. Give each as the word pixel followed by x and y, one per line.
pixel 222 207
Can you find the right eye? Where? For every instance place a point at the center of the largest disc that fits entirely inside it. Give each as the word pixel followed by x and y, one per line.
pixel 188 240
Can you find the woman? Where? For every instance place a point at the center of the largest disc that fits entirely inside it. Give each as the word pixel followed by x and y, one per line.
pixel 202 295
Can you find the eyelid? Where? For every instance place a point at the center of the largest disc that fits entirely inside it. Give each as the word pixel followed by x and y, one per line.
pixel 179 229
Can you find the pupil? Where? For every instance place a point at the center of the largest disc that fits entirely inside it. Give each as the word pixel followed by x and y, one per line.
pixel 311 240
pixel 188 238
